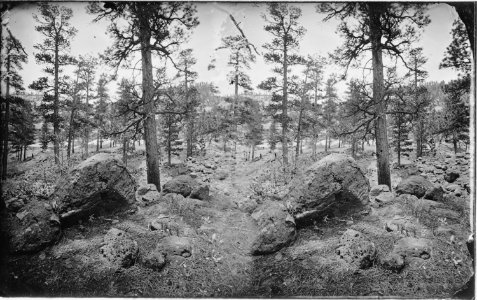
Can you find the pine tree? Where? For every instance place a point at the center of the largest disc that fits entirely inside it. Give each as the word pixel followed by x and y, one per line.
pixel 13 56
pixel 329 109
pixel 150 27
pixel 54 24
pixel 282 24
pixel 185 64
pixel 382 28
pixel 171 127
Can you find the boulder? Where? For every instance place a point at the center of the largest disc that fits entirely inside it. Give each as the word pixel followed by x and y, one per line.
pixel 376 190
pixel 170 225
pixel 147 193
pixel 14 204
pixel 119 249
pixel 356 249
pixel 333 185
pixel 413 247
pixel 452 187
pixel 407 226
pixel 144 189
pixel 33 228
pixel 392 261
pixel 384 197
pixel 222 175
pixel 436 193
pixel 99 185
pixel 174 245
pixel 154 260
pixel 277 228
pixel 187 186
pixel 451 176
pixel 179 185
pixel 414 185
pixel 200 192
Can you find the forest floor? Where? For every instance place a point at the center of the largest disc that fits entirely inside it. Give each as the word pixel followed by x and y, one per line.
pixel 223 231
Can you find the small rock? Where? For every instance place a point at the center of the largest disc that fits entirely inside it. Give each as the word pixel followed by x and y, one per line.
pixel 119 249
pixel 356 250
pixel 378 190
pixel 393 262
pixel 155 260
pixel 15 204
pixel 415 247
pixel 200 192
pixel 143 189
pixel 151 196
pixel 451 176
pixel 385 197
pixel 436 193
pixel 174 245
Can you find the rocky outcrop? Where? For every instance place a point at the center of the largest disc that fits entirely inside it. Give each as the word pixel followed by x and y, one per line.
pixel 99 185
pixel 33 228
pixel 333 185
pixel 277 228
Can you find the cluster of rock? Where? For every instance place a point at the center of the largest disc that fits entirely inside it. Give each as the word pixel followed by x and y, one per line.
pixel 451 172
pixel 100 185
pixel 208 168
pixel 333 186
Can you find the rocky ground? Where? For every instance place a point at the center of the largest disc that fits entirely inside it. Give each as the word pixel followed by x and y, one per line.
pixel 226 227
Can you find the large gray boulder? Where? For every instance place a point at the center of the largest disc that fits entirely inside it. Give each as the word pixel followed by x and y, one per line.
pixel 99 185
pixel 33 228
pixel 276 225
pixel 414 185
pixel 335 185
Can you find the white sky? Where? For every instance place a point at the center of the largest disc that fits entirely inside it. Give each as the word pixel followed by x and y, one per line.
pixel 320 38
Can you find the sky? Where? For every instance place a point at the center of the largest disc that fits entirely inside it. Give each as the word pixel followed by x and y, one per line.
pixel 320 38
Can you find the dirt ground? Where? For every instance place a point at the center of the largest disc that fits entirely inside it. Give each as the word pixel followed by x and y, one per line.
pixel 222 232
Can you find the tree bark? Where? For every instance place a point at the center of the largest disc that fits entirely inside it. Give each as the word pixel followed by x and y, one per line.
pixel 125 151
pixel 285 105
pixel 152 151
pixel 56 106
pixel 382 147
pixel 5 129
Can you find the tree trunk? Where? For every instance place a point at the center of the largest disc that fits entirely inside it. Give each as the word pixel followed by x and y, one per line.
pixel 353 146
pixel 399 145
pixel 169 146
pixel 97 142
pixel 24 152
pixel 86 134
pixel 152 151
pixel 298 134
pixel 382 147
pixel 125 151
pixel 326 141
pixel 454 142
pixel 56 106
pixel 5 130
pixel 285 105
